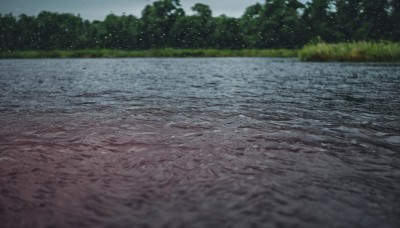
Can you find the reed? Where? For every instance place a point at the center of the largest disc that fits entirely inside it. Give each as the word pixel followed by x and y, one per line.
pixel 352 52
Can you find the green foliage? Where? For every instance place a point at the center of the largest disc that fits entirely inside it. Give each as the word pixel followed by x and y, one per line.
pixel 202 10
pixel 157 21
pixel 353 52
pixel 227 33
pixel 321 21
pixel 193 31
pixel 394 20
pixel 164 24
pixel 281 25
pixel 9 33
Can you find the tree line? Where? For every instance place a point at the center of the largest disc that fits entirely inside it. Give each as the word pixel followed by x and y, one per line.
pixel 164 24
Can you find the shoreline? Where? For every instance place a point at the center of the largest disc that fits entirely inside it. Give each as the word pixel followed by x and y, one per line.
pixel 178 53
pixel 321 52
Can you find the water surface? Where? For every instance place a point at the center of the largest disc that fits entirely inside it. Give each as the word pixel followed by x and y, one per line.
pixel 232 142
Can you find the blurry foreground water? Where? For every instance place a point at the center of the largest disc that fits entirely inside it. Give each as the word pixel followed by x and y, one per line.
pixel 234 142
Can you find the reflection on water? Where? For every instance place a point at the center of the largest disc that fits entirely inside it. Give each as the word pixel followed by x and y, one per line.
pixel 199 143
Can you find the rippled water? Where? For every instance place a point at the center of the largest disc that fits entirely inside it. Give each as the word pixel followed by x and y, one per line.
pixel 234 142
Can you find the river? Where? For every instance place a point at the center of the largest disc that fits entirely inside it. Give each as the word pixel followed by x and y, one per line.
pixel 199 142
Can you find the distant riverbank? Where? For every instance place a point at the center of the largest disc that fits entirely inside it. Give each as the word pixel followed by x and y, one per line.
pixel 346 52
pixel 107 53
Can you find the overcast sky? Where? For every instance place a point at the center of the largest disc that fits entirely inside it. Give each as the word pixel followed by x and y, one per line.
pixel 98 9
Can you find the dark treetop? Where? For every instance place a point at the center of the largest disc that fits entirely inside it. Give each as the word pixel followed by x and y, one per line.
pixel 274 24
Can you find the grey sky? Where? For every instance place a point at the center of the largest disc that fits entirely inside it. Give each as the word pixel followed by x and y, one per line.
pixel 98 9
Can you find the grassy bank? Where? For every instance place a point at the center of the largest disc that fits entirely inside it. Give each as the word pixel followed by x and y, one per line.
pixel 348 52
pixel 106 53
pixel 352 52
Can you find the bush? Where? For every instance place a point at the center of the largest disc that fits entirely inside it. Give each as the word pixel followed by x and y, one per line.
pixel 352 52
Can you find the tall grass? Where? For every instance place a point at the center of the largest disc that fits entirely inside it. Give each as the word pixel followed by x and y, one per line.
pixel 352 52
pixel 107 53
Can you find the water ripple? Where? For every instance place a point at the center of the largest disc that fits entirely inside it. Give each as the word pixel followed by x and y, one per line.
pixel 199 143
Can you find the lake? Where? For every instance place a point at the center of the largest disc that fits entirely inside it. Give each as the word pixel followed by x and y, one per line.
pixel 199 142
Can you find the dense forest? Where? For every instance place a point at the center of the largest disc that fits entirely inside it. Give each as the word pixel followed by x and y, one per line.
pixel 164 24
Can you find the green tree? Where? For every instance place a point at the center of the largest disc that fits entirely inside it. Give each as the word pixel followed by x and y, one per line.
pixel 394 18
pixel 27 35
pixel 157 21
pixel 69 32
pixel 202 10
pixel 281 24
pixel 185 33
pixel 58 31
pixel 349 19
pixel 193 31
pixel 9 33
pixel 375 20
pixel 275 24
pixel 249 24
pixel 321 20
pixel 129 32
pixel 109 32
pixel 227 33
